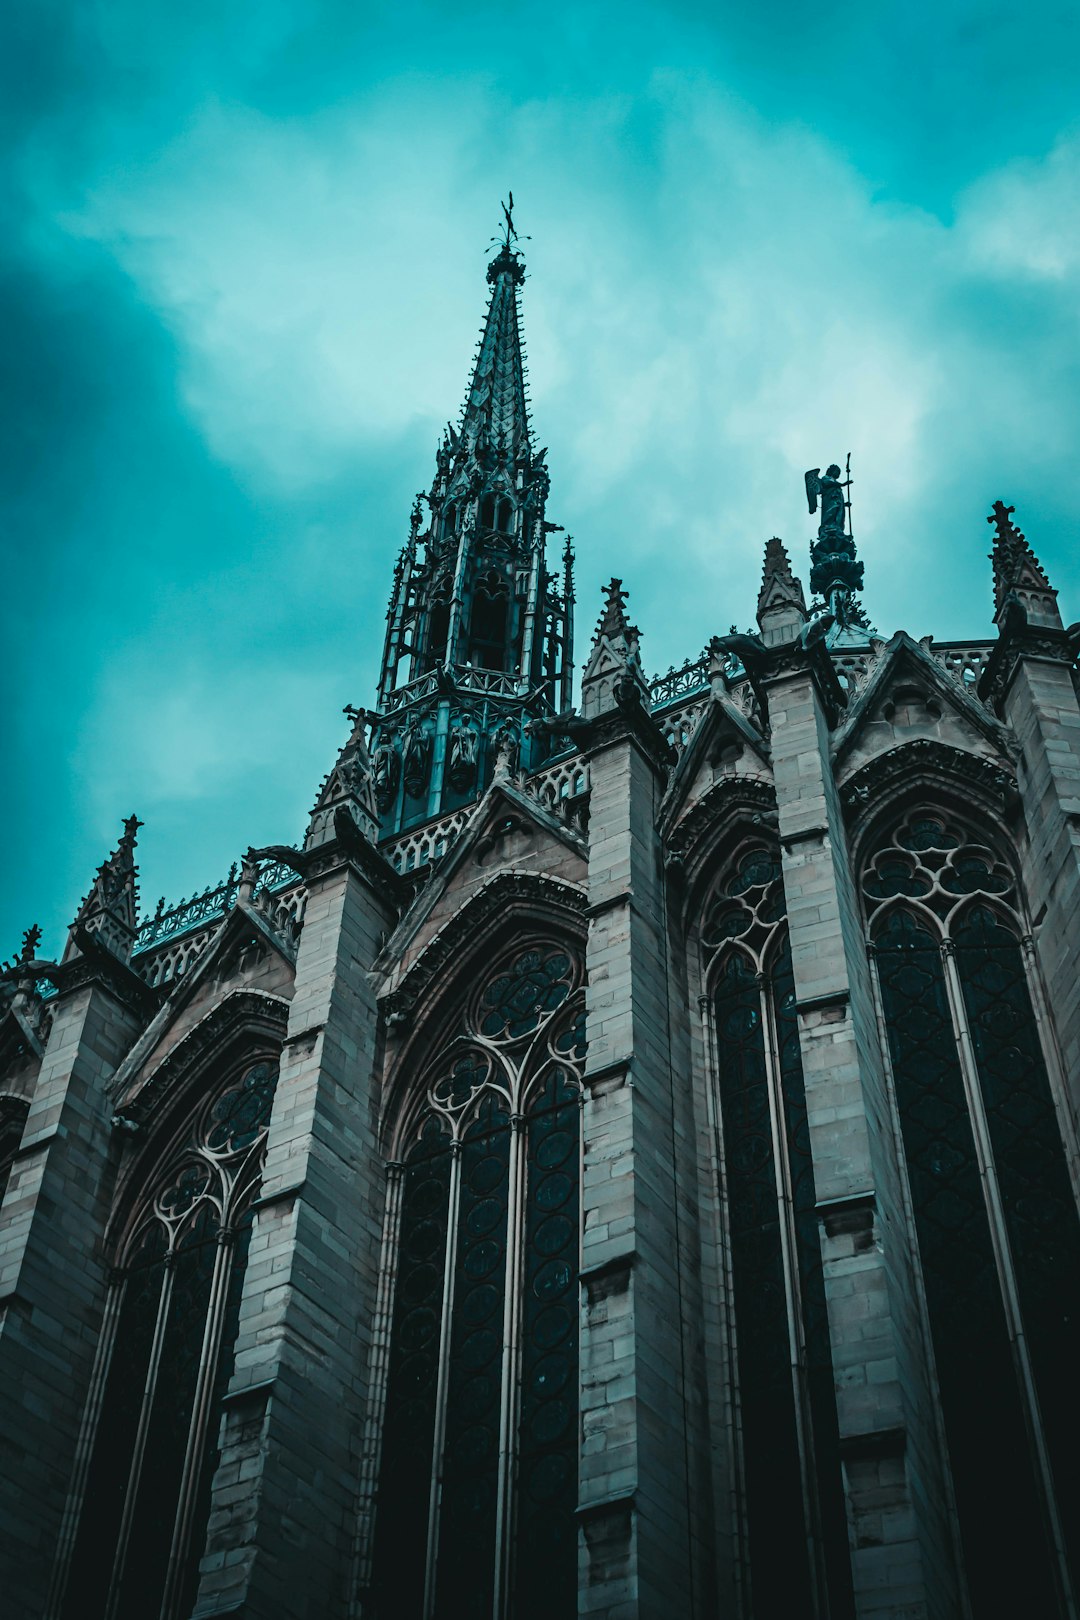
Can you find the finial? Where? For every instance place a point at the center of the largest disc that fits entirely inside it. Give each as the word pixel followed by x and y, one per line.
pixel 508 257
pixel 613 620
pixel 30 942
pixel 1001 518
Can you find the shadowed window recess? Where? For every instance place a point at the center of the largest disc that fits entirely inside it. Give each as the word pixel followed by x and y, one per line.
pixel 478 1474
pixel 166 1363
pixel 995 1217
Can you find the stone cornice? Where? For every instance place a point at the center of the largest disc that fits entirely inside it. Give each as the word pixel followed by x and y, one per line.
pixel 95 964
pixel 795 658
pixel 629 721
pixel 1041 642
pixel 349 847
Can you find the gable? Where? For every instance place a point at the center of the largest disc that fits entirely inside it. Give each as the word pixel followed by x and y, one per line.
pixel 909 697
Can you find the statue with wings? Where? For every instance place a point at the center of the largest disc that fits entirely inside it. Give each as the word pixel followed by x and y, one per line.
pixel 830 491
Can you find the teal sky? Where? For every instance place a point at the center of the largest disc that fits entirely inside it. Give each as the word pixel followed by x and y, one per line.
pixel 242 281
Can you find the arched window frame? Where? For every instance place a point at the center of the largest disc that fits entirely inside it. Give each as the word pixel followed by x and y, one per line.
pixel 187 1173
pixel 942 914
pixel 759 946
pixel 515 1069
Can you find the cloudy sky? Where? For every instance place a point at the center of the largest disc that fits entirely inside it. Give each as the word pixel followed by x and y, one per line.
pixel 244 273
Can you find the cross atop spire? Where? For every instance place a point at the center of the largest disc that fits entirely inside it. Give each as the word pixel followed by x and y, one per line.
pixel 1018 573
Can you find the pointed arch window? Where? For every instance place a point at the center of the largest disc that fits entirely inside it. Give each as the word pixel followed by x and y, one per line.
pixel 994 1208
pixel 477 1484
pixel 792 1526
pixel 164 1364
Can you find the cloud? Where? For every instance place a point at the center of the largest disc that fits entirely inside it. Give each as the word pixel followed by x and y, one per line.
pixel 249 276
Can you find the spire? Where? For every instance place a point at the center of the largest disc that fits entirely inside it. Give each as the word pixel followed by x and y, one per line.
pixel 111 909
pixel 495 418
pixel 614 657
pixel 781 605
pixel 479 634
pixel 1018 574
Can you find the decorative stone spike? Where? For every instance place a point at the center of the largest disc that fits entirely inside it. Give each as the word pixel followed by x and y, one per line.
pixel 111 909
pixel 349 786
pixel 1019 577
pixel 781 605
pixel 614 657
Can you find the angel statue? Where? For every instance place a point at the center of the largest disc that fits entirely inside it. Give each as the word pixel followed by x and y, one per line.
pixel 830 491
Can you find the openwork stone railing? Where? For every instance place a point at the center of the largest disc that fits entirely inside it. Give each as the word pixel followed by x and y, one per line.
pixel 171 941
pixel 679 721
pixel 965 661
pixel 466 678
pixel 413 850
pixel 690 677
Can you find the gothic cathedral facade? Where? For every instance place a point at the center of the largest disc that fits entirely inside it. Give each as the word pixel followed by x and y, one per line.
pixel 621 1162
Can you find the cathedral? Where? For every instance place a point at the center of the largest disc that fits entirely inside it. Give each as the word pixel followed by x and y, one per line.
pixel 620 1162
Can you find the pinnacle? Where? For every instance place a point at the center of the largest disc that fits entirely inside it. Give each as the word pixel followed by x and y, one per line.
pixel 1015 564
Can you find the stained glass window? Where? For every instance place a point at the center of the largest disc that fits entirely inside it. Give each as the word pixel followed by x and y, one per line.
pixel 996 1490
pixel 546 1561
pixel 794 1522
pixel 480 1429
pixel 134 1558
pixel 1017 1186
pixel 775 1514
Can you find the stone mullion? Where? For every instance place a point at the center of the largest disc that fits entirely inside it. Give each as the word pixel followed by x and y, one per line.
pixel 511 1366
pixel 200 1421
pixel 445 1330
pixel 380 1368
pixel 85 1449
pixel 1010 1293
pixel 792 1289
pixel 138 1451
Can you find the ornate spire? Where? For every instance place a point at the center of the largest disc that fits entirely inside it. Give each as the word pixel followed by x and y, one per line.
pixel 495 418
pixel 111 909
pixel 614 656
pixel 781 605
pixel 1018 574
pixel 479 635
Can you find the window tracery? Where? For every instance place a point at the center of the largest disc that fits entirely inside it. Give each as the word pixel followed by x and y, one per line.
pixel 793 1528
pixel 165 1361
pixel 993 1204
pixel 478 1472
